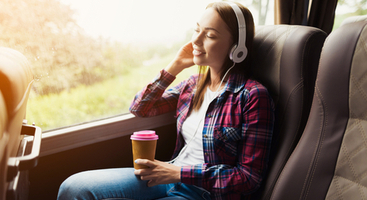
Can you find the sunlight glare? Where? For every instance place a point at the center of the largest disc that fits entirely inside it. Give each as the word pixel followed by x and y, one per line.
pixel 138 21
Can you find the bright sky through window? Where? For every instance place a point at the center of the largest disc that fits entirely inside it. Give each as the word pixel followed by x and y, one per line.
pixel 138 21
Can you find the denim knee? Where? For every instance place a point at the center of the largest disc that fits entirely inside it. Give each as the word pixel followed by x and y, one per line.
pixel 75 188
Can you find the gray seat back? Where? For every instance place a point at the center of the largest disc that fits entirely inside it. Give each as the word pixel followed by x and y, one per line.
pixel 286 60
pixel 330 160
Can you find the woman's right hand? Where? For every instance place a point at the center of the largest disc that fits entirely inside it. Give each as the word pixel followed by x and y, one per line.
pixel 184 59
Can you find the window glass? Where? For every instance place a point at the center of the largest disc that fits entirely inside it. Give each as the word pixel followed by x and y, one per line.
pixel 90 57
pixel 262 11
pixel 347 9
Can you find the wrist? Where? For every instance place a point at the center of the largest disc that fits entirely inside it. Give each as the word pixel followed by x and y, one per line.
pixel 178 174
pixel 174 68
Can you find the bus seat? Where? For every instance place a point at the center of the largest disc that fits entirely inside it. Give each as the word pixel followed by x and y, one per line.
pixel 354 19
pixel 285 60
pixel 15 84
pixel 3 145
pixel 330 159
pixel 16 79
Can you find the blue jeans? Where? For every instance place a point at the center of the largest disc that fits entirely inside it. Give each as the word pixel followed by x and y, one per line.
pixel 122 183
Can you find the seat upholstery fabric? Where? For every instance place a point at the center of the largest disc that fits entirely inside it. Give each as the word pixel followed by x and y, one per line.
pixel 354 19
pixel 3 145
pixel 285 60
pixel 350 177
pixel 15 84
pixel 330 159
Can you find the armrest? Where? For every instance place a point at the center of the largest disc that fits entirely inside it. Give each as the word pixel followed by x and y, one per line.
pixel 29 161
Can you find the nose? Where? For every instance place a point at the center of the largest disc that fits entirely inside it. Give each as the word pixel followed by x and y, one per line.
pixel 197 39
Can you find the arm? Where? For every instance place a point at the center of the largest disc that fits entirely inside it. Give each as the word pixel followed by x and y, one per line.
pixel 252 151
pixel 154 99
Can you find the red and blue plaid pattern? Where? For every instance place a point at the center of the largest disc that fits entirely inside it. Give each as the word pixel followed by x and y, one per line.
pixel 236 137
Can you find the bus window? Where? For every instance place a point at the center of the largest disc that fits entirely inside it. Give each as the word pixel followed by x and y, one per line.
pixel 347 9
pixel 90 57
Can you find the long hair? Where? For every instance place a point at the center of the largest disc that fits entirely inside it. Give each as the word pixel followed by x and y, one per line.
pixel 229 17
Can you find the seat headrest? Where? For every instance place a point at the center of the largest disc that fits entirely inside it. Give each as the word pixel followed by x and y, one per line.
pixel 15 78
pixel 284 48
pixel 354 19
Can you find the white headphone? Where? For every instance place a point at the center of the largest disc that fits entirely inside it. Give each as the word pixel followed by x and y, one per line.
pixel 238 52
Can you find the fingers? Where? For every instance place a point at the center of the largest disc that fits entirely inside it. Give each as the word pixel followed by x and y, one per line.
pixel 151 183
pixel 158 172
pixel 142 172
pixel 145 175
pixel 189 45
pixel 183 60
pixel 188 48
pixel 146 162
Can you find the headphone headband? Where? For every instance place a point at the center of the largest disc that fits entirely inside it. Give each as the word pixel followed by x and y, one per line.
pixel 238 52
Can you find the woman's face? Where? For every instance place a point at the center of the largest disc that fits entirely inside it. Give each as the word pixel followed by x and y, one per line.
pixel 211 41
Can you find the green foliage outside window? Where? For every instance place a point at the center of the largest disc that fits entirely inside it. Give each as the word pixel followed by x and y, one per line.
pixel 349 8
pixel 61 54
pixel 77 78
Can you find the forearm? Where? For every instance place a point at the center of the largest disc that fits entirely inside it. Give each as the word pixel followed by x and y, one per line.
pixel 151 100
pixel 174 68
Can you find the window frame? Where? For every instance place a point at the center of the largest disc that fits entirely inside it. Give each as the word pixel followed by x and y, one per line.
pixel 68 138
pixel 91 132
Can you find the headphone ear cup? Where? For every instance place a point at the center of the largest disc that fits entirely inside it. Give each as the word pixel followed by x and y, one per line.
pixel 238 52
pixel 237 55
pixel 231 52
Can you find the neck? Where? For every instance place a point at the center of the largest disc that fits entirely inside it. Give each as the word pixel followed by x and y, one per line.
pixel 215 81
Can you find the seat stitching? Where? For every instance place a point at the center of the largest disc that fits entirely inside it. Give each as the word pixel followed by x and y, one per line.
pixel 311 171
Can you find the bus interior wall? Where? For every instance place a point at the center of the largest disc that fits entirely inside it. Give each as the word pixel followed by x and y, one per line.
pixel 53 169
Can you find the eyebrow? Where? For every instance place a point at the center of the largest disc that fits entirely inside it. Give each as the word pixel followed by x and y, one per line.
pixel 209 28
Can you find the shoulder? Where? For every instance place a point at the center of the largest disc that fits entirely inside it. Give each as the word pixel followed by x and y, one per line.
pixel 246 88
pixel 186 86
pixel 191 81
pixel 254 87
pixel 193 78
pixel 255 93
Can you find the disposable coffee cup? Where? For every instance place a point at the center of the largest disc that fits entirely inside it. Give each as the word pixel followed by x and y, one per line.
pixel 144 144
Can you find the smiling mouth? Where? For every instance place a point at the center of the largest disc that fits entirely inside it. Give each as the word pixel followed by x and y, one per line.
pixel 197 52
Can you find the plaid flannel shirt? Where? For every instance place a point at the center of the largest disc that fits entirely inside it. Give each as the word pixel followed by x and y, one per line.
pixel 236 136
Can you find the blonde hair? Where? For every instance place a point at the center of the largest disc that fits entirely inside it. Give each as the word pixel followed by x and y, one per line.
pixel 227 14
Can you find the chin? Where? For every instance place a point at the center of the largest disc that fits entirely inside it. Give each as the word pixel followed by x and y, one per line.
pixel 198 61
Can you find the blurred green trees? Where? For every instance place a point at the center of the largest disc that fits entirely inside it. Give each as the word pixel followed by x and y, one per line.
pixel 78 78
pixel 349 8
pixel 61 54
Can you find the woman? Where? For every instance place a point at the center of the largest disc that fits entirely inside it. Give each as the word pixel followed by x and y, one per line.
pixel 224 118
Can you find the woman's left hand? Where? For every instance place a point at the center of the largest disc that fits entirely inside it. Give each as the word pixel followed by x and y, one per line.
pixel 158 172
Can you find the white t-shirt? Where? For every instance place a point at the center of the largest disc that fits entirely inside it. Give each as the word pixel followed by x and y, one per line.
pixel 194 123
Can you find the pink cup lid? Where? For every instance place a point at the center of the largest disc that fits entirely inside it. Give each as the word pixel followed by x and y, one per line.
pixel 144 135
